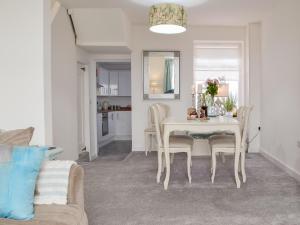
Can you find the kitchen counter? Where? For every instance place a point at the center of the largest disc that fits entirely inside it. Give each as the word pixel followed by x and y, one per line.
pixel 117 110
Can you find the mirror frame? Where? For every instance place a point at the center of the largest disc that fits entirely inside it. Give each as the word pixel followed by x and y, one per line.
pixel 174 96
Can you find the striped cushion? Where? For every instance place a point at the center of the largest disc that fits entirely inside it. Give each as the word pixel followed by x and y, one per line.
pixel 20 137
pixel 52 183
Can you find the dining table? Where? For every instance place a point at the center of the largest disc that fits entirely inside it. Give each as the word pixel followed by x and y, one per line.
pixel 207 126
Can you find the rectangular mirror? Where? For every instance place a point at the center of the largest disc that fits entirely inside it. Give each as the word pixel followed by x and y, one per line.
pixel 161 74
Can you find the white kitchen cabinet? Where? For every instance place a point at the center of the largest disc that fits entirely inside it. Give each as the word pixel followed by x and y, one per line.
pixel 113 83
pixel 119 127
pixel 103 80
pixel 111 124
pixel 124 83
pixel 123 125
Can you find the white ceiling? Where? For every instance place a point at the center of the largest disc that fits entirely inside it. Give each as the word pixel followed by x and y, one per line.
pixel 200 12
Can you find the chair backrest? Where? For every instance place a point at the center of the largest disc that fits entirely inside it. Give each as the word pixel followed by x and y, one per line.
pixel 243 117
pixel 164 111
pixel 159 115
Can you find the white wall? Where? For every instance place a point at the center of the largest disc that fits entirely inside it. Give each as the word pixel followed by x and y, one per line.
pixel 65 56
pixel 280 82
pixel 145 40
pixel 25 67
pixel 254 84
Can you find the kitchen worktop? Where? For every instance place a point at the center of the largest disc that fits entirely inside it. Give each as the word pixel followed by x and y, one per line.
pixel 117 110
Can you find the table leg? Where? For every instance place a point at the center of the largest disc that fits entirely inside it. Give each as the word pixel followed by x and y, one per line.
pixel 237 158
pixel 159 163
pixel 167 157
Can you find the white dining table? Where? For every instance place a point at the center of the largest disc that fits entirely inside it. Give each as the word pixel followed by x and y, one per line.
pixel 214 124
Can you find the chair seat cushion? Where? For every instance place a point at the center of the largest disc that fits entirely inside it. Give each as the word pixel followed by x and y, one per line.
pixel 150 130
pixel 222 141
pixel 53 215
pixel 181 141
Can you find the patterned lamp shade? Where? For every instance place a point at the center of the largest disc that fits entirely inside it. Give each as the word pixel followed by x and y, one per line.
pixel 167 18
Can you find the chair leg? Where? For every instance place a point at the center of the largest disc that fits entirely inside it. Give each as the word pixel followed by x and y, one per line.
pixel 159 163
pixel 223 157
pixel 146 144
pixel 172 157
pixel 189 162
pixel 150 142
pixel 214 159
pixel 243 155
pixel 236 173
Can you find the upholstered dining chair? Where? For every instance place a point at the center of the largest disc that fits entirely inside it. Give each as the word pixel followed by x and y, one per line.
pixel 226 143
pixel 177 143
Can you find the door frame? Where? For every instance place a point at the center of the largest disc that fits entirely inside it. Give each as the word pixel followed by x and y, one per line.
pixel 93 96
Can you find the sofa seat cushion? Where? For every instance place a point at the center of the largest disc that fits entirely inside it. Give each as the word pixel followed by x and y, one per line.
pixel 70 214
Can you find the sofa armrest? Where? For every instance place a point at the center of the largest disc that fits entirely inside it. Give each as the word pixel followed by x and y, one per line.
pixel 76 186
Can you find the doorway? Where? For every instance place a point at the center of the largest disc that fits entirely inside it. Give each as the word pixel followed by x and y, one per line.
pixel 113 85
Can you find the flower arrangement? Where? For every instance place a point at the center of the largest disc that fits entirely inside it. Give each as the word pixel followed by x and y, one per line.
pixel 212 87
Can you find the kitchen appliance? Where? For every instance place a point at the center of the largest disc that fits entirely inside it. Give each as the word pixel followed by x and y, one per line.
pixel 104 124
pixel 105 105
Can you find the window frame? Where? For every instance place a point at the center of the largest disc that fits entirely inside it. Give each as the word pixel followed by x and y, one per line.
pixel 243 76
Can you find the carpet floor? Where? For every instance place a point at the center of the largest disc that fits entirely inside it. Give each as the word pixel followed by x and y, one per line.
pixel 126 193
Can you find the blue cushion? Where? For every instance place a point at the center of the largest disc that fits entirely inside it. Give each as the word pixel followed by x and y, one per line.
pixel 22 172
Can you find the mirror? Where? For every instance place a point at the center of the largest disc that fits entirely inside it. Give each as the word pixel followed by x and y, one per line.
pixel 161 74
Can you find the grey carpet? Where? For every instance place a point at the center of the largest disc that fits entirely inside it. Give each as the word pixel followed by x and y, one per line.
pixel 115 151
pixel 125 193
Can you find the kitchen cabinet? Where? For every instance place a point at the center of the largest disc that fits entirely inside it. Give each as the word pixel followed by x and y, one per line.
pixel 123 125
pixel 99 127
pixel 114 82
pixel 111 124
pixel 119 127
pixel 124 83
pixel 103 80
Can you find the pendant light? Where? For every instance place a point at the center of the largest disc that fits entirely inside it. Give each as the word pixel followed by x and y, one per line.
pixel 167 18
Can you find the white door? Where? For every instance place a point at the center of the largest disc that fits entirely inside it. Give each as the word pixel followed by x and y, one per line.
pixel 124 83
pixel 80 109
pixel 83 108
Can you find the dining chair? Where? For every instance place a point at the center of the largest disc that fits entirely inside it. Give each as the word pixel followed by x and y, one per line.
pixel 150 132
pixel 177 143
pixel 226 143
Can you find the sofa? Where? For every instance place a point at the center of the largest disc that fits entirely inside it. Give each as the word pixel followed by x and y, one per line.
pixel 70 214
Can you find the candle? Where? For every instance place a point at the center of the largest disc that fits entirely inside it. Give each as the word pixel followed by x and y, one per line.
pixel 199 88
pixel 193 89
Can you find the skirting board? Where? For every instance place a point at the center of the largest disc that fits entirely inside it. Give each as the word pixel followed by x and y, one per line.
pixel 280 164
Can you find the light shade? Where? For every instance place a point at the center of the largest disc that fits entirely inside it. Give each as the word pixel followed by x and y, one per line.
pixel 167 18
pixel 223 90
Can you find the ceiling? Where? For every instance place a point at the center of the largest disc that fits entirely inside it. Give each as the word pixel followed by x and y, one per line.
pixel 200 12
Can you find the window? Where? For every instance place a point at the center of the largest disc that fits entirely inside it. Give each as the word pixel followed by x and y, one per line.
pixel 219 60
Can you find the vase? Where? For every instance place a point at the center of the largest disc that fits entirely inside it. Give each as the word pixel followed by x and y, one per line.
pixel 213 109
pixel 229 114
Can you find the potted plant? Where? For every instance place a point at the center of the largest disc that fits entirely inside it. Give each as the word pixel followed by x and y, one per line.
pixel 229 104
